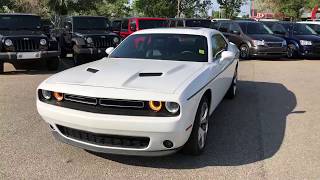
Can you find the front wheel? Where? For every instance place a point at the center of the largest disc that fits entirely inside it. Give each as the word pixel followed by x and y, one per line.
pixel 53 64
pixel 244 51
pixel 197 140
pixel 291 52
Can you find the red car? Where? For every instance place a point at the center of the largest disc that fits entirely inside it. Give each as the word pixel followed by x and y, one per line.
pixel 126 26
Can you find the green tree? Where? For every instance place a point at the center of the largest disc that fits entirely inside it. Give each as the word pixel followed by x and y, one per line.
pixel 116 8
pixel 291 8
pixel 156 8
pixel 230 7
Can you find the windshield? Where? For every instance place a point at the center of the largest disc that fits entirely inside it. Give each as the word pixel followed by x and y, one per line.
pixel 175 47
pixel 148 24
pixel 16 22
pixel 256 28
pixel 302 29
pixel 198 23
pixel 315 27
pixel 90 23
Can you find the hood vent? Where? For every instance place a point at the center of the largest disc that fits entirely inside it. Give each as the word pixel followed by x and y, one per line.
pixel 149 74
pixel 92 70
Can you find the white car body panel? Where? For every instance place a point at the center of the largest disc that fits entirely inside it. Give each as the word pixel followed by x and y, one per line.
pixel 181 82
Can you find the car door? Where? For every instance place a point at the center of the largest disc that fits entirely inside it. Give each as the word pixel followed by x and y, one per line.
pixel 221 70
pixel 235 34
pixel 124 28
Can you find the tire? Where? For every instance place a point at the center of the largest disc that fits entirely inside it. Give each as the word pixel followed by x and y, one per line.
pixel 291 51
pixel 1 67
pixel 53 64
pixel 232 91
pixel 197 140
pixel 244 51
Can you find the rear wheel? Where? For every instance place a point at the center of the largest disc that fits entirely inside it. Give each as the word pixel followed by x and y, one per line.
pixel 1 66
pixel 244 51
pixel 53 64
pixel 197 140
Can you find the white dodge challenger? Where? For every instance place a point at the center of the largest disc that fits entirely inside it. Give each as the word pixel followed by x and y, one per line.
pixel 152 96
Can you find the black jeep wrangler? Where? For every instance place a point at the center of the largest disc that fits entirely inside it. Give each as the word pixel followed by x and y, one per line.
pixel 22 40
pixel 85 37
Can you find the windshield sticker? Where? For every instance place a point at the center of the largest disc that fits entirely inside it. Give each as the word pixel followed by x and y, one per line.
pixel 201 51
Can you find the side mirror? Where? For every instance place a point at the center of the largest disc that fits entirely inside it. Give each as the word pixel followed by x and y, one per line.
pixel 109 50
pixel 133 27
pixel 236 32
pixel 227 55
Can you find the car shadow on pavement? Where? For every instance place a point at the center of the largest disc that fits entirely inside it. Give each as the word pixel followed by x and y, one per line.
pixel 245 130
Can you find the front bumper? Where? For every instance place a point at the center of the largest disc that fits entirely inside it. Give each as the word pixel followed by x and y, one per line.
pixel 157 129
pixel 13 56
pixel 309 51
pixel 262 51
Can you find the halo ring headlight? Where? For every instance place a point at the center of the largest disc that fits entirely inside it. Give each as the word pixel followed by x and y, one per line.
pixel 47 95
pixel 116 40
pixel 89 40
pixel 155 105
pixel 43 42
pixel 8 42
pixel 58 96
pixel 172 107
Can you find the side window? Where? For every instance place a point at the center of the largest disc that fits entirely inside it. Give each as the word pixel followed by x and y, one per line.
pixel 219 44
pixel 215 25
pixel 180 23
pixel 124 25
pixel 224 27
pixel 116 25
pixel 278 29
pixel 234 28
pixel 172 23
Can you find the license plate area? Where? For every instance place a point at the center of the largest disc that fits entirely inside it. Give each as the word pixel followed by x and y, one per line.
pixel 28 55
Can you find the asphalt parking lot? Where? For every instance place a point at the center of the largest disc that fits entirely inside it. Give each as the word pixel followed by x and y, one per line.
pixel 270 131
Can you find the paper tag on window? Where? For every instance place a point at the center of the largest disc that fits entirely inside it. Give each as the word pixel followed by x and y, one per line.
pixel 201 51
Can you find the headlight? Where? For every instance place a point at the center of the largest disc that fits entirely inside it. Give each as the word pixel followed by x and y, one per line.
pixel 305 43
pixel 58 96
pixel 172 107
pixel 43 42
pixel 116 40
pixel 8 42
pixel 155 105
pixel 284 43
pixel 47 95
pixel 258 43
pixel 89 40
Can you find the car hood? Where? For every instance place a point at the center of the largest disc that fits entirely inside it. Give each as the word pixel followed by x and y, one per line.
pixel 21 33
pixel 266 37
pixel 87 33
pixel 313 38
pixel 137 74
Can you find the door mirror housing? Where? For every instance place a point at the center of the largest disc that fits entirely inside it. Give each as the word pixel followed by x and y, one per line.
pixel 109 50
pixel 227 55
pixel 133 27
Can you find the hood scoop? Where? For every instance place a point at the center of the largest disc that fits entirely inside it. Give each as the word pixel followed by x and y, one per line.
pixel 150 74
pixel 92 70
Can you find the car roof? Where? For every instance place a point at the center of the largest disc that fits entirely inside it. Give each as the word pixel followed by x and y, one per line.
pixel 182 30
pixel 88 16
pixel 17 14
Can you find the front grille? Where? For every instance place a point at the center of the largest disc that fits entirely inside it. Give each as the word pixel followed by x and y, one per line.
pixel 100 42
pixel 104 139
pixel 115 103
pixel 26 45
pixel 274 44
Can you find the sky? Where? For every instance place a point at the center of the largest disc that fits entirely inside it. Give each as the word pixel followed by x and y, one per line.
pixel 245 9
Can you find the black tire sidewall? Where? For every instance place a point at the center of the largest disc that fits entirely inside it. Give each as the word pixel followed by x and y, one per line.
pixel 1 66
pixel 247 51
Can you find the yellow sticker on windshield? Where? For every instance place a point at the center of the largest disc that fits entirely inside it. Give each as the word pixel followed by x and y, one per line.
pixel 201 51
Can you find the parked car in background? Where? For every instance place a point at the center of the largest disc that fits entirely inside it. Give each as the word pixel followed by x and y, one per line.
pixel 85 37
pixel 302 40
pixel 315 25
pixel 152 96
pixel 190 22
pixel 126 26
pixel 253 38
pixel 47 26
pixel 22 40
